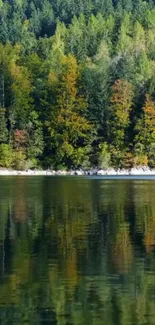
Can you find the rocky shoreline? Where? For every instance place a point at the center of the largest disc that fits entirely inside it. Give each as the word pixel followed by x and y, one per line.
pixel 139 171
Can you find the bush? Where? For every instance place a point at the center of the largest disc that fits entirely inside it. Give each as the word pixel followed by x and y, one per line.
pixel 104 159
pixel 140 160
pixel 31 163
pixel 140 157
pixel 128 160
pixel 151 155
pixel 80 157
pixel 117 158
pixel 6 155
pixel 139 149
pixel 19 160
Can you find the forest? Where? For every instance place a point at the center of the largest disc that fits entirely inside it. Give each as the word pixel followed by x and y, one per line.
pixel 77 84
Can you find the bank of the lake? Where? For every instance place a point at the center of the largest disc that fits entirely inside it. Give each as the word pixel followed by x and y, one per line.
pixel 144 171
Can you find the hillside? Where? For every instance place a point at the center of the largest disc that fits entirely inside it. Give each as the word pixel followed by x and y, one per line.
pixel 77 83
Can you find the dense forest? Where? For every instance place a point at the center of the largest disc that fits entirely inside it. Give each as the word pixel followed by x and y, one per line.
pixel 77 83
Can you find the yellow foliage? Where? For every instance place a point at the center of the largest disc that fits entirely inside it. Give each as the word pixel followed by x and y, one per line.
pixel 53 78
pixel 70 76
pixel 122 100
pixel 140 160
pixel 149 113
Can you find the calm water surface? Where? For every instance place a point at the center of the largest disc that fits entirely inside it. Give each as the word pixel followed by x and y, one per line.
pixel 77 251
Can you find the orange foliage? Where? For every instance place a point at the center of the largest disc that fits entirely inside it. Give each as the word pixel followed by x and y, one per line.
pixel 122 100
pixel 70 75
pixel 20 138
pixel 70 127
pixel 149 113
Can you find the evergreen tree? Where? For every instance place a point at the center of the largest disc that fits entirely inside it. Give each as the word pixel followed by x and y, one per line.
pixel 3 126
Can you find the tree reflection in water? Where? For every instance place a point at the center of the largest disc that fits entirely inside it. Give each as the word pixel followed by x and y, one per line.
pixel 77 251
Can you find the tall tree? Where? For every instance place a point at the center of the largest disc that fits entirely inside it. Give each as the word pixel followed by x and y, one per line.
pixel 69 129
pixel 121 105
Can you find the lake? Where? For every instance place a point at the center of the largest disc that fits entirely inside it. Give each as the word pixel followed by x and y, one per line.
pixel 77 250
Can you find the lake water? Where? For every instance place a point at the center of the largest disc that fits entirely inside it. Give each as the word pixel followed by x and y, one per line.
pixel 77 251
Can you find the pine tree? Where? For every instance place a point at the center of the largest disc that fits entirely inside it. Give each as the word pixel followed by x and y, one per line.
pixel 3 126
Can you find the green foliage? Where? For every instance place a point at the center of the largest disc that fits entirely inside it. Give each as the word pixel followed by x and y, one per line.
pixel 35 144
pixel 117 157
pixel 121 105
pixel 69 130
pixel 76 75
pixel 104 159
pixel 19 160
pixel 31 164
pixel 140 160
pixel 3 126
pixel 6 155
pixel 128 160
pixel 151 155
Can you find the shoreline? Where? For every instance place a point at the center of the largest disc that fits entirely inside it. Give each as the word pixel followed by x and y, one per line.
pixel 141 171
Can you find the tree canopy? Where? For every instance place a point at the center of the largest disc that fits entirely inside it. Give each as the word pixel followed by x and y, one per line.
pixel 75 78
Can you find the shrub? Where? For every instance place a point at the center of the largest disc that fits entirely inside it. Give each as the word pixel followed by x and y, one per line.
pixel 19 160
pixel 151 155
pixel 128 160
pixel 140 160
pixel 104 156
pixel 32 163
pixel 117 157
pixel 6 155
pixel 80 157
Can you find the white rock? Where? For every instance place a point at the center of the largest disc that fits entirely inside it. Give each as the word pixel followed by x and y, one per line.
pixel 101 172
pixel 79 172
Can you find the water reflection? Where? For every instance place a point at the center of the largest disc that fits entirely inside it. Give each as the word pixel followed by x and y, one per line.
pixel 77 251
